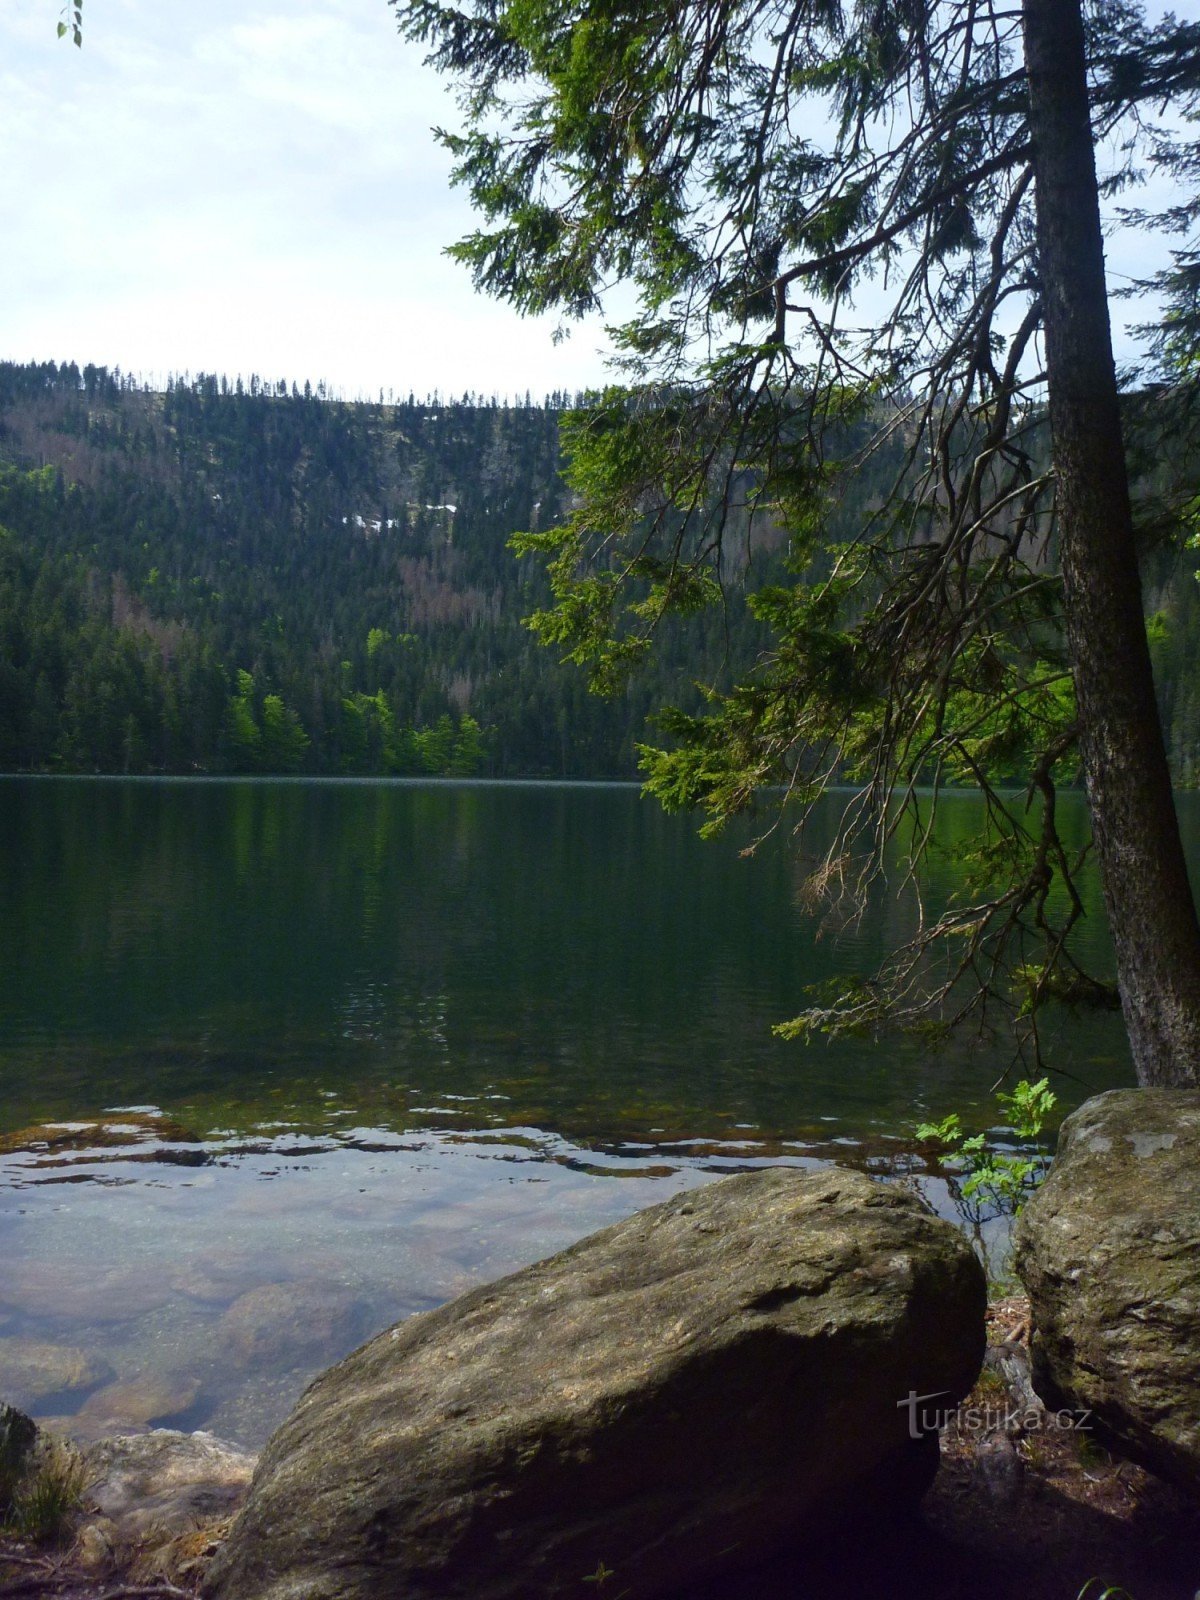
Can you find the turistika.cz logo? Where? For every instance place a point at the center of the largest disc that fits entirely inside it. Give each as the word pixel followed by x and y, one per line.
pixel 925 1416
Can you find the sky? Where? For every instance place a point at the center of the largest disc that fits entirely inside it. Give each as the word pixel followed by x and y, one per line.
pixel 225 186
pixel 247 186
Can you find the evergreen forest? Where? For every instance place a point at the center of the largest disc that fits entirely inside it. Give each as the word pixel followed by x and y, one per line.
pixel 245 577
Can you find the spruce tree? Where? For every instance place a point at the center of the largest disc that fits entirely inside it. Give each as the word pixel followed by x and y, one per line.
pixel 864 241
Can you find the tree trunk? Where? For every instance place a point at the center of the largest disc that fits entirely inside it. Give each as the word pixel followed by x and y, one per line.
pixel 1150 908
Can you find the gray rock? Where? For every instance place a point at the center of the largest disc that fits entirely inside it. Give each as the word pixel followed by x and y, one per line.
pixel 680 1393
pixel 1011 1364
pixel 163 1484
pixel 152 1397
pixel 32 1369
pixel 1109 1250
pixel 93 1548
pixel 280 1324
pixel 999 1469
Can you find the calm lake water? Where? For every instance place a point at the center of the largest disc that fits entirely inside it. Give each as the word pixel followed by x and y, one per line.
pixel 281 1062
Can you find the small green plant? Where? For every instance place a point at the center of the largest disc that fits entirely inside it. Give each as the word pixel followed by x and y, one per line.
pixel 1091 1453
pixel 46 1495
pixel 1034 1453
pixel 1097 1589
pixel 1005 1182
pixel 990 1385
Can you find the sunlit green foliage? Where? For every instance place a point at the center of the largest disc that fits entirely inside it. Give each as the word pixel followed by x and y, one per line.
pixel 986 1174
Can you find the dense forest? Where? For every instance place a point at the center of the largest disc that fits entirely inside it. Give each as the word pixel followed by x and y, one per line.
pixel 249 578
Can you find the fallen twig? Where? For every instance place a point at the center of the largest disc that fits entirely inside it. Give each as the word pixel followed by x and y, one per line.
pixel 30 1585
pixel 73 1584
pixel 142 1591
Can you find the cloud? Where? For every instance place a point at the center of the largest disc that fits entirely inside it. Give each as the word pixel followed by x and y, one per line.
pixel 239 188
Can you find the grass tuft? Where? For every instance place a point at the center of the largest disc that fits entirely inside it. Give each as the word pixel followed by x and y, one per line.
pixel 43 1501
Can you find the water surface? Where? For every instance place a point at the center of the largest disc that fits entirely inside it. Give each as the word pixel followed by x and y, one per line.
pixel 283 1061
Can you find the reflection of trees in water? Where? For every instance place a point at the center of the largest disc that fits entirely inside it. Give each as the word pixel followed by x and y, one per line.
pixel 880 917
pixel 570 948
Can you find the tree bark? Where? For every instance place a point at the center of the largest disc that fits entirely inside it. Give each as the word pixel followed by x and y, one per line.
pixel 1150 906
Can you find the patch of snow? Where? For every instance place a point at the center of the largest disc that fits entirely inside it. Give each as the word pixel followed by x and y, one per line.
pixel 370 525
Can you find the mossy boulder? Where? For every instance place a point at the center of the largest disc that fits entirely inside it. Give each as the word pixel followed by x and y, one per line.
pixel 1109 1250
pixel 683 1393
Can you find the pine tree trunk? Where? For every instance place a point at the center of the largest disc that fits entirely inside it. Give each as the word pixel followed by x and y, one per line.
pixel 1151 911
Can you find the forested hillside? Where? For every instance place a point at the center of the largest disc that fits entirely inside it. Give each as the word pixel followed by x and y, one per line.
pixel 1173 598
pixel 247 578
pixel 250 578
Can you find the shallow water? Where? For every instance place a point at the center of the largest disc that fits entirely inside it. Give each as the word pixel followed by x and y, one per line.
pixel 281 1062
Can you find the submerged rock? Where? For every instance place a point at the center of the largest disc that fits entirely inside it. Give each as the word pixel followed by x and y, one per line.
pixel 280 1324
pixel 32 1369
pixel 153 1397
pixel 686 1391
pixel 1109 1250
pixel 218 1277
pixel 84 1429
pixel 76 1291
pixel 123 1128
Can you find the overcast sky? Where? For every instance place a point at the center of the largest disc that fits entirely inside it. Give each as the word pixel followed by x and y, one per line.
pixel 232 186
pixel 245 186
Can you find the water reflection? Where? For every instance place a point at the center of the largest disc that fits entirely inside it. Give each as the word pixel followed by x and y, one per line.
pixel 371 1043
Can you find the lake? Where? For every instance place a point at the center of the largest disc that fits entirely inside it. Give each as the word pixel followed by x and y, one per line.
pixel 284 1061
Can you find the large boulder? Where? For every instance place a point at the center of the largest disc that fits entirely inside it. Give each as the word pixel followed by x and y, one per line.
pixel 1109 1250
pixel 685 1391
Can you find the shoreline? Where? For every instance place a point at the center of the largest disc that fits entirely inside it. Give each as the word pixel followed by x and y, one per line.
pixel 1020 1504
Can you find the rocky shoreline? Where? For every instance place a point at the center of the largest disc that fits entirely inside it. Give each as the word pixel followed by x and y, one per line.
pixel 1013 1509
pixel 707 1401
